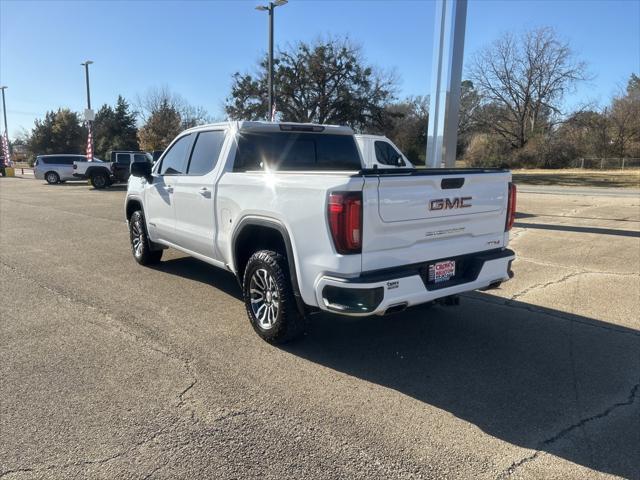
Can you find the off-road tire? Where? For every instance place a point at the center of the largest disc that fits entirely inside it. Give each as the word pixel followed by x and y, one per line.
pixel 141 246
pixel 99 180
pixel 52 178
pixel 288 323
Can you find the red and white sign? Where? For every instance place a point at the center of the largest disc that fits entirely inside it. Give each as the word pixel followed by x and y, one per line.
pixel 442 271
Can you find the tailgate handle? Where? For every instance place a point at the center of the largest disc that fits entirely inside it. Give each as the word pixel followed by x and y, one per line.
pixel 448 183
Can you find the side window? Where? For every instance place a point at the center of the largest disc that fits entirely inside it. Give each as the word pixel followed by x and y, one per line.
pixel 249 152
pixel 175 160
pixel 123 158
pixel 387 155
pixel 140 157
pixel 206 152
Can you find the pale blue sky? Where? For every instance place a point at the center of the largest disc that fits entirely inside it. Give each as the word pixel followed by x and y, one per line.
pixel 194 46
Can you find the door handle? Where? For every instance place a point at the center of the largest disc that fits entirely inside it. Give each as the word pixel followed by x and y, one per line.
pixel 204 191
pixel 169 188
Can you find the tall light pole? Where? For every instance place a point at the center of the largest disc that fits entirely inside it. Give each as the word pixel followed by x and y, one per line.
pixel 86 76
pixel 270 8
pixel 88 114
pixel 5 138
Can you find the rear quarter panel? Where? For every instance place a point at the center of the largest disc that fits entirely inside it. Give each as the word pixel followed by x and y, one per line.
pixel 298 201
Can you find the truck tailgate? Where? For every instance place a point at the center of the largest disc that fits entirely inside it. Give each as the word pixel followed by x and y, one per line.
pixel 426 215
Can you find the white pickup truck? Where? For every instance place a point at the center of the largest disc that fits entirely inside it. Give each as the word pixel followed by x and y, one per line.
pixel 292 212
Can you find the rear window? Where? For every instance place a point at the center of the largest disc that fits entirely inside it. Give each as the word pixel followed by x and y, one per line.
pixel 296 151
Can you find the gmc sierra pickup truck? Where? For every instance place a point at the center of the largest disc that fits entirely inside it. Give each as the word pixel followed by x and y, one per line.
pixel 291 211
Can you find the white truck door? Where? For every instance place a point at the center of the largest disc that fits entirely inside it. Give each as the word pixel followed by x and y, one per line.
pixel 159 193
pixel 195 195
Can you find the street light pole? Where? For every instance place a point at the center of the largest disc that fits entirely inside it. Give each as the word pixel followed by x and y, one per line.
pixel 86 76
pixel 270 8
pixel 4 110
pixel 88 112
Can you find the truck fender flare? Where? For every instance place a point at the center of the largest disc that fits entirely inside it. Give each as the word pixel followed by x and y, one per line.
pixel 268 222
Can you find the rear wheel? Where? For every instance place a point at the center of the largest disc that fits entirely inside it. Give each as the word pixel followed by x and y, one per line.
pixel 268 298
pixel 140 243
pixel 52 178
pixel 99 180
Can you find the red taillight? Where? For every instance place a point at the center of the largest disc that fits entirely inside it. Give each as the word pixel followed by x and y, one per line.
pixel 511 207
pixel 345 221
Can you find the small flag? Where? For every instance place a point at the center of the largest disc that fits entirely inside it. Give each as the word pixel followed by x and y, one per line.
pixel 5 149
pixel 273 112
pixel 89 144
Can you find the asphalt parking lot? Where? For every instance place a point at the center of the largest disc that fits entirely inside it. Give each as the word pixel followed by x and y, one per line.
pixel 111 370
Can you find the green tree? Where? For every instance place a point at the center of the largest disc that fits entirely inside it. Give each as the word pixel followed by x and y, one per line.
pixel 405 123
pixel 327 81
pixel 115 128
pixel 161 128
pixel 58 132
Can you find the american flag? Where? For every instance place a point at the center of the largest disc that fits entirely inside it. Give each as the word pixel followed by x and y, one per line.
pixel 89 143
pixel 5 149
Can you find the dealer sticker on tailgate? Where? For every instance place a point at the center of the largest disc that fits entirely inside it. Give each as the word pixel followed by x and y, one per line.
pixel 442 271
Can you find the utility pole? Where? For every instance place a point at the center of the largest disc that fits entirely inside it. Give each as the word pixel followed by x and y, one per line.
pixel 270 8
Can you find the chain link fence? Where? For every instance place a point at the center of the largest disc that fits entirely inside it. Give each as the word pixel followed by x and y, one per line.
pixel 607 163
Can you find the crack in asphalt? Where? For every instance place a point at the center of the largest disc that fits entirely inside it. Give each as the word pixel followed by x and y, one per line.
pixel 633 393
pixel 545 285
pixel 125 330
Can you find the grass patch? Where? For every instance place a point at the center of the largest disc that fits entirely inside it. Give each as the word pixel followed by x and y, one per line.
pixel 579 178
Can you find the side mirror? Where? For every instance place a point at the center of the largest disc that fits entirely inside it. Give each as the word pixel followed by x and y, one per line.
pixel 400 162
pixel 141 169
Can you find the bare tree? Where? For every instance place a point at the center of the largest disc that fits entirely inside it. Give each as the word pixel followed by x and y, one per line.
pixel 159 98
pixel 523 80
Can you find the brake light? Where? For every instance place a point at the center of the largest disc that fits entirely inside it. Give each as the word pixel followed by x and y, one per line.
pixel 511 207
pixel 345 221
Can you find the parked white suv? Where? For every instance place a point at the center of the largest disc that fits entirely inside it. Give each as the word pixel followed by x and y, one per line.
pixel 292 212
pixel 57 168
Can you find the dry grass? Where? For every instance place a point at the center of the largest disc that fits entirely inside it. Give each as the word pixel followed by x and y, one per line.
pixel 579 177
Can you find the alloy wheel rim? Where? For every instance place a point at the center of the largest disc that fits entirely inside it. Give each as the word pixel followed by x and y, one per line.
pixel 51 178
pixel 99 181
pixel 136 239
pixel 265 298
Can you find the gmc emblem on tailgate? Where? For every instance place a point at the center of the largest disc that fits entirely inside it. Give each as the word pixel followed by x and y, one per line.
pixel 449 203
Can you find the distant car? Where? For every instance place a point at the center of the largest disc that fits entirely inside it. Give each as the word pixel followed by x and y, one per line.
pixel 379 152
pixel 57 168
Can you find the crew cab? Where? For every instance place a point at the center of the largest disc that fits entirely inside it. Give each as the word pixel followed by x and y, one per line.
pixel 102 174
pixel 292 212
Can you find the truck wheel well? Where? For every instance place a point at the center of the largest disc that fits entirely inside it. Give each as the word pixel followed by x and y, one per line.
pixel 132 206
pixel 253 238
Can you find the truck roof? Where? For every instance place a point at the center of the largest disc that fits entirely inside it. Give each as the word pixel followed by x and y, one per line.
pixel 259 125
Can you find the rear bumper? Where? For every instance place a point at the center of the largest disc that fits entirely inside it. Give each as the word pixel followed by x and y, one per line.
pixel 374 293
